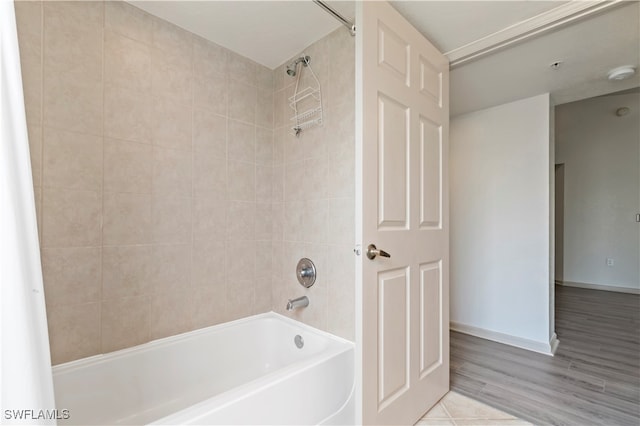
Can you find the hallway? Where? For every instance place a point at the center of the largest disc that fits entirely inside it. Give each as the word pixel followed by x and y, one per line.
pixel 593 379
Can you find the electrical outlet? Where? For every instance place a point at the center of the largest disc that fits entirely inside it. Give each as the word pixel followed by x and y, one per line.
pixel 609 261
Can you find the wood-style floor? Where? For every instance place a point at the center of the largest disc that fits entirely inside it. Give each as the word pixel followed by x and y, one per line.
pixel 594 378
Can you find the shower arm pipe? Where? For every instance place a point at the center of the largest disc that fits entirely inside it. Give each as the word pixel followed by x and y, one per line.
pixel 344 21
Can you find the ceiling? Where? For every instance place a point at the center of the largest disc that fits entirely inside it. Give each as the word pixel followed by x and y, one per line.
pixel 271 32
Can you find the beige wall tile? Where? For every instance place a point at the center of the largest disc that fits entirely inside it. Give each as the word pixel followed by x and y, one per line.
pixel 279 75
pixel 170 314
pixel 209 59
pixel 72 100
pixel 127 114
pixel 241 221
pixel 293 147
pixel 71 218
pixel 169 79
pixel 341 221
pixel 209 257
pixel 72 35
pixel 212 93
pixel 71 275
pixel 171 219
pixel 209 133
pixel 277 250
pixel 210 215
pixel 242 69
pixel 240 299
pixel 37 193
pixel 127 166
pixel 210 173
pixel 127 271
pixel 264 108
pixel 278 145
pixel 341 291
pixel 242 101
pixel 73 66
pixel 262 297
pixel 74 331
pixel 127 218
pixel 29 26
pixel 341 85
pixel 264 263
pixel 264 183
pixel 277 190
pixel 35 152
pixel 174 42
pixel 264 221
pixel 316 220
pixel 172 172
pixel 295 181
pixel 125 323
pixel 280 114
pixel 277 221
pixel 171 268
pixel 171 124
pixel 241 261
pixel 315 142
pixel 293 221
pixel 316 178
pixel 128 20
pixel 241 183
pixel 127 62
pixel 264 146
pixel 341 121
pixel 242 141
pixel 209 306
pixel 341 175
pixel 264 77
pixel 72 160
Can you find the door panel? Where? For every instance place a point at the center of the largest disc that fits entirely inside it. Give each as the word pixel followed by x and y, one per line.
pixel 393 54
pixel 393 339
pixel 430 174
pixel 403 162
pixel 393 119
pixel 430 318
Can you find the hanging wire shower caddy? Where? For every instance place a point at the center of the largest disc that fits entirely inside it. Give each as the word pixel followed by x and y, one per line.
pixel 308 99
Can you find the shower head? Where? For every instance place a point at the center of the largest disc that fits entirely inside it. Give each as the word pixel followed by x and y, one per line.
pixel 292 68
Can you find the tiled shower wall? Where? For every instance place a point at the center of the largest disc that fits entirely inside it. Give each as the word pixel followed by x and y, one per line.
pixel 164 201
pixel 147 143
pixel 314 189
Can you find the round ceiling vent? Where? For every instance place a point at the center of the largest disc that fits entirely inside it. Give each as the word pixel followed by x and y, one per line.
pixel 621 73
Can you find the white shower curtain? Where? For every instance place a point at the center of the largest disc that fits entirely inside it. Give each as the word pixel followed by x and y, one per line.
pixel 26 395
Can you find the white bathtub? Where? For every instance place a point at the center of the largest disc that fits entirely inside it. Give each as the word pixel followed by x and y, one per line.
pixel 248 371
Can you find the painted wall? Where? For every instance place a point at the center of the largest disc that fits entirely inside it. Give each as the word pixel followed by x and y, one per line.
pixel 601 156
pixel 500 221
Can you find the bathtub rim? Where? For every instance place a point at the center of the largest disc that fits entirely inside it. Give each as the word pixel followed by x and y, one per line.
pixel 165 341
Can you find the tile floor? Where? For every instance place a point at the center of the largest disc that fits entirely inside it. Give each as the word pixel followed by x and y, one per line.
pixel 457 410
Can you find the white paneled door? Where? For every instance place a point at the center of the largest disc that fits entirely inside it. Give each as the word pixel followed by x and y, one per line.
pixel 404 211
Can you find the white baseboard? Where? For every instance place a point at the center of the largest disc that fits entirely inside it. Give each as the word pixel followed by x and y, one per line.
pixel 507 339
pixel 600 287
